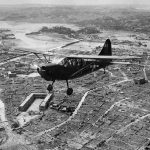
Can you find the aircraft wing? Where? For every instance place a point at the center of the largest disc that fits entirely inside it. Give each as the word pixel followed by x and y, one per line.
pixel 97 57
pixel 122 63
pixel 63 46
pixel 46 52
pixel 102 57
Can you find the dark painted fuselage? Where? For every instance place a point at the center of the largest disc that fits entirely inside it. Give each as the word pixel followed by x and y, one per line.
pixel 70 68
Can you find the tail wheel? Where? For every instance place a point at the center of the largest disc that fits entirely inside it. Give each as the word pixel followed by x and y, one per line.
pixel 69 91
pixel 50 87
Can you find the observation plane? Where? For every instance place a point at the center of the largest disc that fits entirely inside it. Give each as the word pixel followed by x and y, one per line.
pixel 74 66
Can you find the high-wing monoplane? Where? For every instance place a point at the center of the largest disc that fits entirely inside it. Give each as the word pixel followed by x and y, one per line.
pixel 74 66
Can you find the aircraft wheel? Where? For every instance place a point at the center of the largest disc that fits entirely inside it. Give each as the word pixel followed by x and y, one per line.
pixel 69 91
pixel 50 87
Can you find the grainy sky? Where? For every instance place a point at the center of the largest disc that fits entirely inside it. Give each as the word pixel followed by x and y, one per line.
pixel 75 2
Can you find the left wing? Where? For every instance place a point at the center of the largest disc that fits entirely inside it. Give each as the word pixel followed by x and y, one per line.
pixel 63 46
pixel 46 52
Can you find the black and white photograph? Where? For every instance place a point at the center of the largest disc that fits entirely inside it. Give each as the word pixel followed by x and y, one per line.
pixel 74 75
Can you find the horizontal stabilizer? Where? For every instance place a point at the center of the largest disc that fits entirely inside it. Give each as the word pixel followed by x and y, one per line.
pixel 122 63
pixel 129 63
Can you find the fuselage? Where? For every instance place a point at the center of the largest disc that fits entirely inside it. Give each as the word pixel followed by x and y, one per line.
pixel 69 68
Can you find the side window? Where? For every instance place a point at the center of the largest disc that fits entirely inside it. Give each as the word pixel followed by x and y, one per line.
pixel 83 62
pixel 62 62
pixel 79 62
pixel 73 62
pixel 66 63
pixel 69 62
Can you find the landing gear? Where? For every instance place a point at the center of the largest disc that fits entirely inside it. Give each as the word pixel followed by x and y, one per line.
pixel 104 71
pixel 50 87
pixel 69 90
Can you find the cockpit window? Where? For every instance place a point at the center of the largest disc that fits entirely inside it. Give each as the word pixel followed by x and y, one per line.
pixel 68 62
pixel 57 60
pixel 73 62
pixel 65 62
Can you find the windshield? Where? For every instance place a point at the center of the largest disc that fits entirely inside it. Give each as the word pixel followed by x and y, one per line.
pixel 57 60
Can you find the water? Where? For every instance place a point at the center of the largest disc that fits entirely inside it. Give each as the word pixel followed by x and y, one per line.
pixel 43 42
pixel 47 42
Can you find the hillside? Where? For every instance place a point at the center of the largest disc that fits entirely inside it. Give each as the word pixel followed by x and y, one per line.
pixel 104 17
pixel 66 31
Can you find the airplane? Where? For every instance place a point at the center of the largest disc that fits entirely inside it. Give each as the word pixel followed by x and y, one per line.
pixel 75 66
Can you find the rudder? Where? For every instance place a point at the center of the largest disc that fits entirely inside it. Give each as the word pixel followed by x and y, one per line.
pixel 106 50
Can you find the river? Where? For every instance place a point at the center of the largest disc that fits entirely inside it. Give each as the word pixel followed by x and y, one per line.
pixel 45 42
pixel 42 43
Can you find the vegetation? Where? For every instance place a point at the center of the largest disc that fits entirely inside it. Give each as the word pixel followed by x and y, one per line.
pixel 58 29
pixel 66 31
pixel 88 30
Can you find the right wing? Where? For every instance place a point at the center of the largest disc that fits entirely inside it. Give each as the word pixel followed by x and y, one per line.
pixel 103 57
pixel 63 46
pixel 46 52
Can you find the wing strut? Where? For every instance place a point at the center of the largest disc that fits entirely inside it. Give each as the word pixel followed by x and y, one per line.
pixel 38 57
pixel 46 58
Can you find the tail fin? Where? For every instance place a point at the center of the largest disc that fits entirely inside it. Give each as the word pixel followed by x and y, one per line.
pixel 106 50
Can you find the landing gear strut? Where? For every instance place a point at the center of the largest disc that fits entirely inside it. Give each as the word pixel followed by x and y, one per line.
pixel 104 71
pixel 50 87
pixel 69 90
